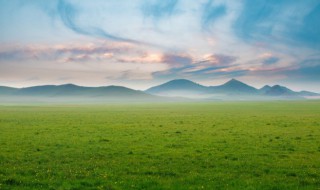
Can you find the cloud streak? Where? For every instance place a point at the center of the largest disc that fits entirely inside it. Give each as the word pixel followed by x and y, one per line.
pixel 158 9
pixel 68 14
pixel 211 13
pixel 282 21
pixel 219 59
pixel 65 52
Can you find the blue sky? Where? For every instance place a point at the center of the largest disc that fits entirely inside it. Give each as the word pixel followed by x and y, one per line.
pixel 140 43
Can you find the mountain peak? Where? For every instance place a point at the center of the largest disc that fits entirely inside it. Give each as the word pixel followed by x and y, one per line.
pixel 69 85
pixel 180 81
pixel 234 82
pixel 277 90
pixel 265 87
pixel 235 86
pixel 279 87
pixel 179 86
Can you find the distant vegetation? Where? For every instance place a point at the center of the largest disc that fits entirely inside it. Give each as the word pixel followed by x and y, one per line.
pixel 221 145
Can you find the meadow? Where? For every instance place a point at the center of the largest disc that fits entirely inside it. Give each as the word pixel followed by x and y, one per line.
pixel 204 145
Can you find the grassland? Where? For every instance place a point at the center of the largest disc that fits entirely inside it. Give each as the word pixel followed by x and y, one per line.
pixel 221 145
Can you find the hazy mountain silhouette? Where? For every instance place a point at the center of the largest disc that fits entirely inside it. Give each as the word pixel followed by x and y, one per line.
pixel 278 90
pixel 234 86
pixel 74 90
pixel 264 89
pixel 6 90
pixel 307 93
pixel 231 90
pixel 178 87
pixel 71 92
pixel 187 88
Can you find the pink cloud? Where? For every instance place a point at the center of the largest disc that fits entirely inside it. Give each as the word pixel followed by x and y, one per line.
pixel 66 52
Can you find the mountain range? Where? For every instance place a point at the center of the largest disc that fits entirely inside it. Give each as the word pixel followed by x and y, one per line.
pixel 179 89
pixel 72 93
pixel 233 89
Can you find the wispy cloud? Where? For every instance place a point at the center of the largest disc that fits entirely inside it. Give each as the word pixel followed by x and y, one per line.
pixel 279 22
pixel 211 13
pixel 219 59
pixel 65 52
pixel 269 58
pixel 158 9
pixel 213 63
pixel 307 70
pixel 177 60
pixel 68 13
pixel 142 58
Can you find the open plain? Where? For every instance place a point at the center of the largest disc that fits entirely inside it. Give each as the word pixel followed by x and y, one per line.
pixel 204 145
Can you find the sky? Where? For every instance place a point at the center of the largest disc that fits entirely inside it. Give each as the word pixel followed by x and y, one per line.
pixel 141 43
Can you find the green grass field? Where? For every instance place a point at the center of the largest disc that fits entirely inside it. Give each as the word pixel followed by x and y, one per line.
pixel 219 145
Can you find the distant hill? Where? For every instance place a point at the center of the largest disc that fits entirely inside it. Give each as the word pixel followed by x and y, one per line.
pixel 6 90
pixel 235 87
pixel 73 92
pixel 264 89
pixel 278 90
pixel 178 87
pixel 187 88
pixel 307 93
